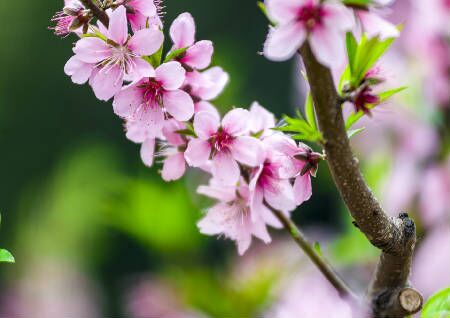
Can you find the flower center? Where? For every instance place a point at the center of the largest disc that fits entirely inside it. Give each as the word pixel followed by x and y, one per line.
pixel 311 16
pixel 153 92
pixel 221 140
pixel 364 99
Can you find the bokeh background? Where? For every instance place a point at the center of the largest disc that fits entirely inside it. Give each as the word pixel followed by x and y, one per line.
pixel 96 234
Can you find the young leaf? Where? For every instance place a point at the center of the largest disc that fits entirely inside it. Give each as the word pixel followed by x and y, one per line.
pixel 155 59
pixel 353 119
pixel 174 54
pixel 387 94
pixel 317 248
pixel 309 112
pixel 352 48
pixel 357 2
pixel 438 306
pixel 6 257
pixel 354 132
pixel 263 9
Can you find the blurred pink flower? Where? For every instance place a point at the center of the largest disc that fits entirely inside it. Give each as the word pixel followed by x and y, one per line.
pixel 323 23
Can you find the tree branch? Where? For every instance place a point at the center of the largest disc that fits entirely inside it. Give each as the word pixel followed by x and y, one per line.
pixel 96 11
pixel 315 257
pixel 395 237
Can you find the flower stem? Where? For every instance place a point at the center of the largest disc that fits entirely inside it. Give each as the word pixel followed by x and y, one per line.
pixel 96 11
pixel 326 269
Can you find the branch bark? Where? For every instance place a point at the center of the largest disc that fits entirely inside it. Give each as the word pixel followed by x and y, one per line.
pixel 395 237
pixel 96 11
pixel 315 257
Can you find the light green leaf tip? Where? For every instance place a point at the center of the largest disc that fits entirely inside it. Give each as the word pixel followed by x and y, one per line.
pixel 438 305
pixel 6 256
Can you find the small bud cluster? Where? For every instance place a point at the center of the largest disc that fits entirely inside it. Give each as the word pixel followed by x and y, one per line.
pixel 165 102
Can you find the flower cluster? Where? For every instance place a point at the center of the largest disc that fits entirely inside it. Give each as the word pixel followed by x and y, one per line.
pixel 165 102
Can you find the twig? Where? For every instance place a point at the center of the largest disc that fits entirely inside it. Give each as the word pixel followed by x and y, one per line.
pixel 96 11
pixel 315 257
pixel 394 236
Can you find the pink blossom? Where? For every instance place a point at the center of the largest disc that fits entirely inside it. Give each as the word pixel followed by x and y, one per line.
pixel 143 14
pixel 119 58
pixel 70 19
pixel 232 216
pixel 323 24
pixel 198 54
pixel 261 121
pixel 299 163
pixel 147 103
pixel 225 143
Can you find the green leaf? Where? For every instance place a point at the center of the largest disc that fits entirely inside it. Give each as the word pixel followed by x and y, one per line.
pixel 6 257
pixel 345 77
pixel 317 248
pixel 357 2
pixel 387 94
pixel 352 48
pixel 354 132
pixel 155 59
pixel 174 54
pixel 438 305
pixel 301 129
pixel 309 112
pixel 353 119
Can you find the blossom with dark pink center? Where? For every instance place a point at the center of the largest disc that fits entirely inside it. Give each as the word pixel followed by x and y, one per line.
pixel 322 23
pixel 232 216
pixel 120 57
pixel 149 102
pixel 198 54
pixel 225 143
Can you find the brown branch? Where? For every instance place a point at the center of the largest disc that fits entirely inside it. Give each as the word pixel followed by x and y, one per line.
pixel 96 11
pixel 395 237
pixel 315 257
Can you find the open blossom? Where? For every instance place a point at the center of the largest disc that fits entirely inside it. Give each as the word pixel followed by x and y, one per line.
pixel 232 216
pixel 148 102
pixel 323 24
pixel 198 54
pixel 119 58
pixel 143 13
pixel 225 143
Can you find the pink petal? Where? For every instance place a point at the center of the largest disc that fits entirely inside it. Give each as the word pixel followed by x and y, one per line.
pixel 248 151
pixel 107 83
pixel 146 41
pixel 78 70
pixel 338 17
pixel 302 189
pixel 283 41
pixel 127 101
pixel 197 152
pixel 221 193
pixel 118 25
pixel 213 83
pixel 260 118
pixel 146 7
pixel 283 11
pixel 206 124
pixel 280 196
pixel 235 122
pixel 170 75
pixel 328 46
pixel 204 106
pixel 225 169
pixel 148 125
pixel 182 31
pixel 174 167
pixel 269 218
pixel 243 244
pixel 170 132
pixel 148 151
pixel 374 25
pixel 141 69
pixel 214 221
pixel 199 55
pixel 92 50
pixel 259 230
pixel 179 104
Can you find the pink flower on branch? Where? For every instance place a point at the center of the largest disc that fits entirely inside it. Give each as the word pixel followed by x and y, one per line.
pixel 232 216
pixel 198 54
pixel 147 103
pixel 225 143
pixel 322 23
pixel 120 57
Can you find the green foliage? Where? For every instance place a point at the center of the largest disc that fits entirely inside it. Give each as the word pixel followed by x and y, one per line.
pixel 353 132
pixel 174 54
pixel 361 3
pixel 155 59
pixel 362 57
pixel 303 129
pixel 438 305
pixel 6 257
pixel 263 9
